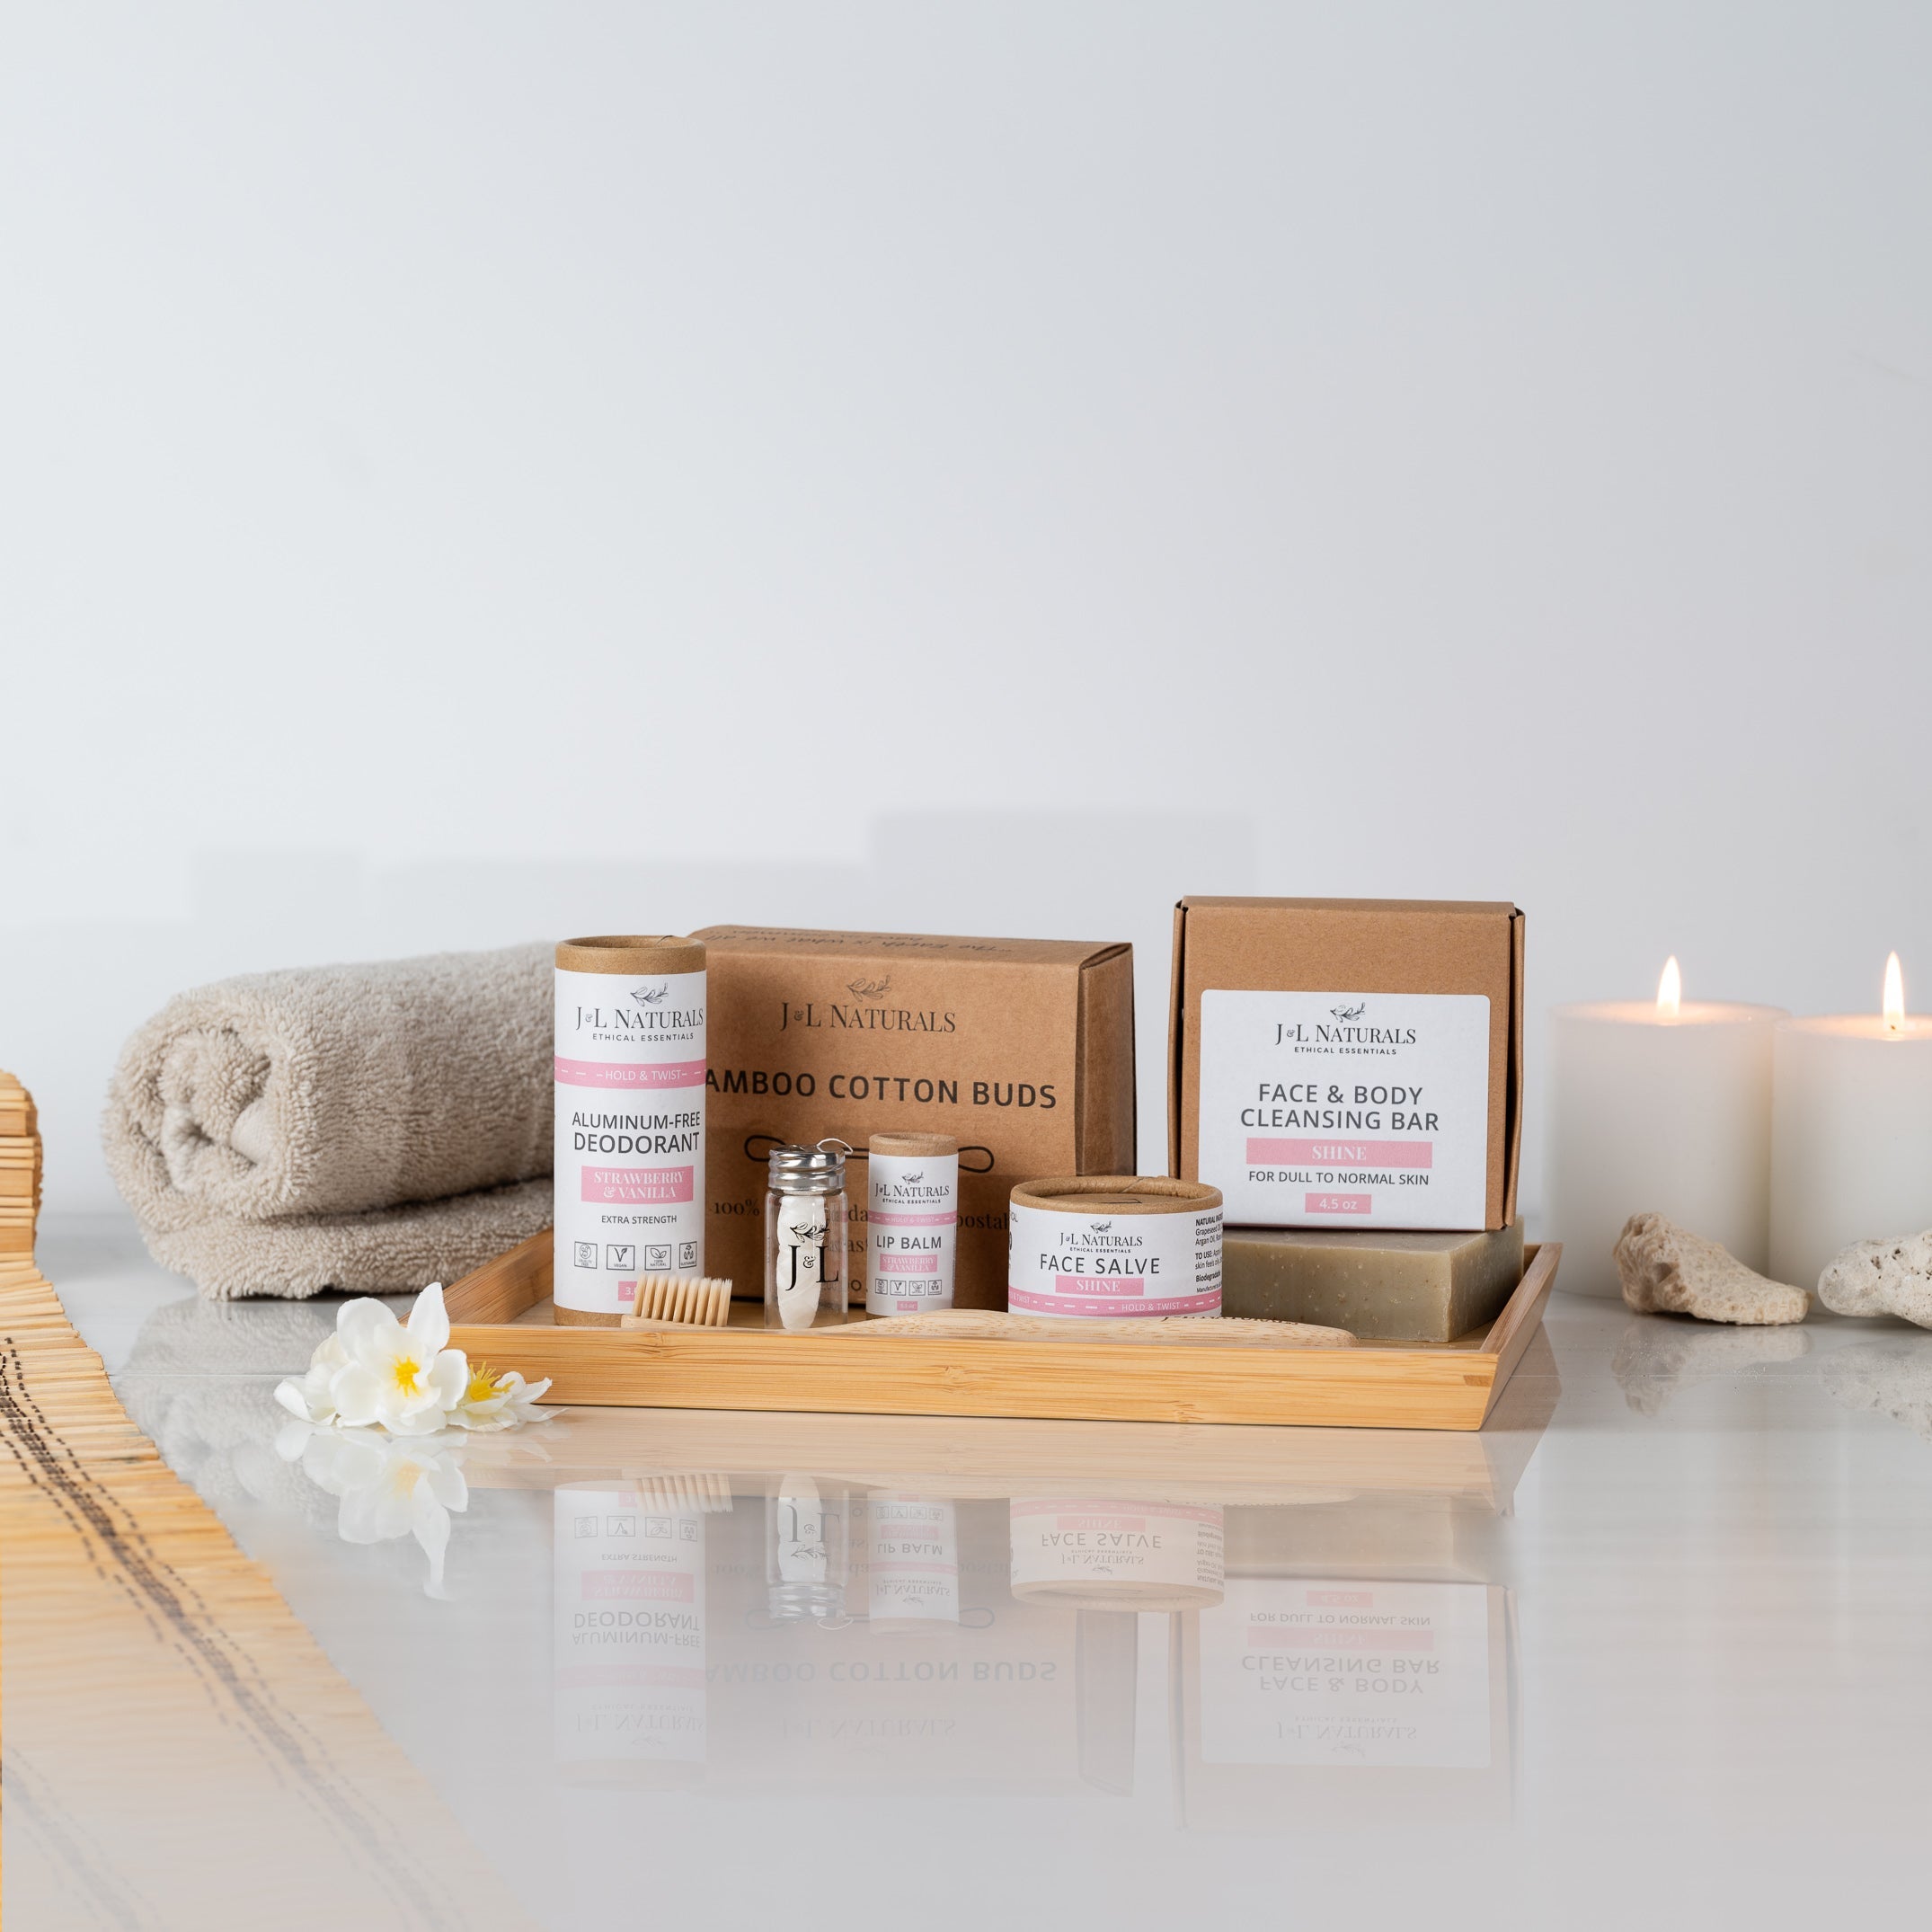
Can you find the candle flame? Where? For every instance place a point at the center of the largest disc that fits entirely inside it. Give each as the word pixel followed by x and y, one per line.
pixel 1894 995
pixel 1669 991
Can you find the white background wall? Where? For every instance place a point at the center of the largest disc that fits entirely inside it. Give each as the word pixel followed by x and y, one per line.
pixel 471 472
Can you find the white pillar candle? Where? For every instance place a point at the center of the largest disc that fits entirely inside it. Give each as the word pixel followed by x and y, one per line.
pixel 1851 1138
pixel 1661 1107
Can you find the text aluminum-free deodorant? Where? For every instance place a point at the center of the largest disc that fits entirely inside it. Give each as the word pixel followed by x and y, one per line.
pixel 630 1130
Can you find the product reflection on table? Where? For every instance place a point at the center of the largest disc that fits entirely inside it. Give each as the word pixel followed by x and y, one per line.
pixel 909 1560
pixel 755 1602
pixel 629 1619
pixel 1360 1665
pixel 1113 1553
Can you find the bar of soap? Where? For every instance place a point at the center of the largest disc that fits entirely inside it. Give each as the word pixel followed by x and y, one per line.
pixel 1382 1287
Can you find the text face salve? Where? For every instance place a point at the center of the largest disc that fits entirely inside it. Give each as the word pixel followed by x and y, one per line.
pixel 1346 1110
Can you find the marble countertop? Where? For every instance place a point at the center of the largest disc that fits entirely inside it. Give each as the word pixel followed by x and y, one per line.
pixel 1654 1645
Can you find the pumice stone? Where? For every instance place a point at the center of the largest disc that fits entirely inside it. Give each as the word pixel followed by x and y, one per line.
pixel 1881 1277
pixel 1666 1271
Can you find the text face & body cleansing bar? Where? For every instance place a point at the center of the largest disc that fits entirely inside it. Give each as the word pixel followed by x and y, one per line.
pixel 1381 1287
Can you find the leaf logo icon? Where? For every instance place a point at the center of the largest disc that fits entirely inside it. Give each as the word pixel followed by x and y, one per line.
pixel 1349 1013
pixel 868 988
pixel 648 995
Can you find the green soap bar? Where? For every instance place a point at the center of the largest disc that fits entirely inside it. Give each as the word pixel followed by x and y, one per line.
pixel 1379 1287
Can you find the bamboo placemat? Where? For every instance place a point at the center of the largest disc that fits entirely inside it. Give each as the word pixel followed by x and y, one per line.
pixel 178 1751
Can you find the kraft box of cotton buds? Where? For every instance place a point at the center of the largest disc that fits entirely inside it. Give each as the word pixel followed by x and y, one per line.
pixel 1021 1050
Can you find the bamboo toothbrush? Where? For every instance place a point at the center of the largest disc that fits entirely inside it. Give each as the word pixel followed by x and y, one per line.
pixel 1196 1330
pixel 989 1325
pixel 679 1301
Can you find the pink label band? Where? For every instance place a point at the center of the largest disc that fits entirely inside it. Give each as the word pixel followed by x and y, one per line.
pixel 638 1186
pixel 1343 1152
pixel 1022 1302
pixel 648 1586
pixel 1326 1636
pixel 630 1074
pixel 909 1264
pixel 1338 1203
pixel 878 1218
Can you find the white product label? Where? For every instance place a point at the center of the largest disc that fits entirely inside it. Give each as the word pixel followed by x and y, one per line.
pixel 1171 1545
pixel 1116 1262
pixel 911 1224
pixel 629 1657
pixel 630 1135
pixel 1298 1671
pixel 798 1274
pixel 1346 1110
pixel 912 1559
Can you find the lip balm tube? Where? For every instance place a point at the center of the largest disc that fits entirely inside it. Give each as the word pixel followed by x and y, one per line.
pixel 629 1128
pixel 912 1222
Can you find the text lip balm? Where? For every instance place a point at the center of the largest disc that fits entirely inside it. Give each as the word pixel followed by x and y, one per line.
pixel 912 1222
pixel 630 1120
pixel 1110 1246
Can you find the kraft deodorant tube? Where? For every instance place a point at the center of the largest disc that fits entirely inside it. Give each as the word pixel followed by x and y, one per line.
pixel 912 1216
pixel 630 1130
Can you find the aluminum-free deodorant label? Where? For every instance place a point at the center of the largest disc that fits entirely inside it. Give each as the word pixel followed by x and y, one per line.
pixel 1346 1110
pixel 1100 1262
pixel 630 1134
pixel 911 1226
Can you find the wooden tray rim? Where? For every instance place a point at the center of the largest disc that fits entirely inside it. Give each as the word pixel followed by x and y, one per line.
pixel 958 1372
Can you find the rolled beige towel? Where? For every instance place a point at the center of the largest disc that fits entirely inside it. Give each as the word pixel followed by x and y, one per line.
pixel 281 1127
pixel 383 1251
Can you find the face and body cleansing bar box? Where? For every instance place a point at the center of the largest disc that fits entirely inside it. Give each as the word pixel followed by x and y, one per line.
pixel 1020 1050
pixel 1349 1063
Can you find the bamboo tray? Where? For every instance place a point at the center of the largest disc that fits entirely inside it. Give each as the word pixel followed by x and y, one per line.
pixel 498 1313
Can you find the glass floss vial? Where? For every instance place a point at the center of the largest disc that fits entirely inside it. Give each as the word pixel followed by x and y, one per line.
pixel 805 1236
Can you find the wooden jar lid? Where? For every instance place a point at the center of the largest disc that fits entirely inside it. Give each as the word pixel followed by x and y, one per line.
pixel 629 953
pixel 1117 1193
pixel 913 1146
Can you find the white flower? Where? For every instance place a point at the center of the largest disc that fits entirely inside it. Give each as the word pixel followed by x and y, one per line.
pixel 389 1488
pixel 404 1380
pixel 312 1399
pixel 499 1401
pixel 373 1371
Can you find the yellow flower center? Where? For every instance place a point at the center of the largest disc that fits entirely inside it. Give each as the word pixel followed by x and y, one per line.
pixel 485 1383
pixel 408 1374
